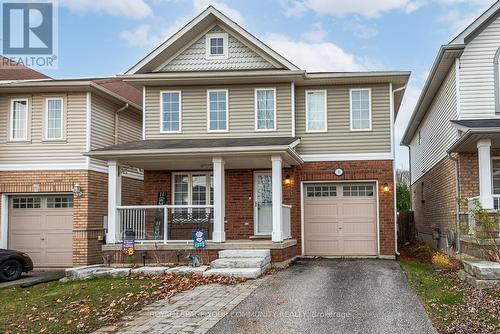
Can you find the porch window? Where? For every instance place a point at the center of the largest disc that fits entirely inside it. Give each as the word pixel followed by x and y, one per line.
pixel 217 110
pixel 19 119
pixel 361 112
pixel 54 118
pixel 193 189
pixel 171 111
pixel 265 109
pixel 316 118
pixel 495 167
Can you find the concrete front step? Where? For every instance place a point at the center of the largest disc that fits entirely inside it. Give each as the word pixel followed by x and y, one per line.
pixel 249 273
pixel 244 253
pixel 483 270
pixel 241 262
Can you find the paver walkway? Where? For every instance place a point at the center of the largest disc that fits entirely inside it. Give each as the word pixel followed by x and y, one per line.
pixel 193 311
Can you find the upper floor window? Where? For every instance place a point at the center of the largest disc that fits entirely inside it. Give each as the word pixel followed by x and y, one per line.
pixel 217 45
pixel 265 109
pixel 419 138
pixel 316 118
pixel 497 82
pixel 171 111
pixel 54 118
pixel 218 113
pixel 361 110
pixel 19 119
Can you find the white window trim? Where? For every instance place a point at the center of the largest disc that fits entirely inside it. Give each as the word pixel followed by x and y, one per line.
pixel 492 183
pixel 326 111
pixel 46 119
pixel 225 44
pixel 257 113
pixel 180 111
pixel 369 109
pixel 11 120
pixel 190 185
pixel 227 110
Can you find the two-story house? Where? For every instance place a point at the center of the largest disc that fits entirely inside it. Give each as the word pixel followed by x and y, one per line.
pixel 454 132
pixel 239 141
pixel 53 198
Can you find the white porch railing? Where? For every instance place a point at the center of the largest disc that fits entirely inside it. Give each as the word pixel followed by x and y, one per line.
pixel 164 223
pixel 286 216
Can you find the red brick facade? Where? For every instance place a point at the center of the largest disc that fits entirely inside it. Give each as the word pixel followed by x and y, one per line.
pixel 88 210
pixel 239 196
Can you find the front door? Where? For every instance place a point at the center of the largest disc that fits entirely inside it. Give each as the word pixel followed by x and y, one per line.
pixel 263 205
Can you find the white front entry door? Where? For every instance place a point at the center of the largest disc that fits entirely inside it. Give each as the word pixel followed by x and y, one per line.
pixel 263 204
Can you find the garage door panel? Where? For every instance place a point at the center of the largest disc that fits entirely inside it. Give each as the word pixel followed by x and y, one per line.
pixel 341 225
pixel 44 233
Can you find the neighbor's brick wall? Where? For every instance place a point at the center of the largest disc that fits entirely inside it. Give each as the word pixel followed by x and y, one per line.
pixel 88 210
pixel 437 208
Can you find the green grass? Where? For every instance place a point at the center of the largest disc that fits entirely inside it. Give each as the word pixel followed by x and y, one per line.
pixel 73 307
pixel 431 287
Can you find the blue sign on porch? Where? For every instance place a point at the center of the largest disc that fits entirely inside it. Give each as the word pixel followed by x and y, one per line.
pixel 199 238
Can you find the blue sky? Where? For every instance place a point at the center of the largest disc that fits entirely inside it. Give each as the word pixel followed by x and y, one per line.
pixel 106 37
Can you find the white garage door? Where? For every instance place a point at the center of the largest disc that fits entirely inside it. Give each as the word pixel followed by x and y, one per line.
pixel 340 219
pixel 42 226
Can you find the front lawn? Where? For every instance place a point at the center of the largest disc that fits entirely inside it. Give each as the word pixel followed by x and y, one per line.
pixel 84 306
pixel 452 305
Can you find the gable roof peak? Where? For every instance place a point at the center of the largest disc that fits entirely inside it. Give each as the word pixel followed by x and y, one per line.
pixel 192 29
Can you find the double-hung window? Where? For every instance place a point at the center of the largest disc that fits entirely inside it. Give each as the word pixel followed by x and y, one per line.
pixel 218 112
pixel 19 119
pixel 193 189
pixel 361 110
pixel 316 109
pixel 171 111
pixel 265 109
pixel 54 118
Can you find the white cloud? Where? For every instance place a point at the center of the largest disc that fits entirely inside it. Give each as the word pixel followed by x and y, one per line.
pixel 360 30
pixel 318 56
pixel 316 34
pixel 340 8
pixel 153 34
pixel 134 9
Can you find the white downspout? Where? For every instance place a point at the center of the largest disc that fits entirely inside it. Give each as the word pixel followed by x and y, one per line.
pixel 393 148
pixel 117 121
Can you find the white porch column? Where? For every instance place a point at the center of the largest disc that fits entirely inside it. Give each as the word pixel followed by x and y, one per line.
pixel 114 200
pixel 484 159
pixel 277 235
pixel 219 234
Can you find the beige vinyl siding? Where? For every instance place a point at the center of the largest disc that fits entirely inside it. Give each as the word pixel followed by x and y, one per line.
pixel 103 124
pixel 241 112
pixel 436 130
pixel 339 139
pixel 477 83
pixel 38 150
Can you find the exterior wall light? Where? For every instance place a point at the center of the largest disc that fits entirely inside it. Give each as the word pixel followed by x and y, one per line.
pixel 77 190
pixel 385 187
pixel 288 180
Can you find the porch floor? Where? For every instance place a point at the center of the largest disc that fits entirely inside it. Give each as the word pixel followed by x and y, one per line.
pixel 229 244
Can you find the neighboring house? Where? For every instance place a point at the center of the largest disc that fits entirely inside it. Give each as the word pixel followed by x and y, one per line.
pixel 53 198
pixel 239 141
pixel 454 132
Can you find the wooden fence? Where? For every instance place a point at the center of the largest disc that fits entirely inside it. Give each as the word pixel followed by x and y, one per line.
pixel 406 227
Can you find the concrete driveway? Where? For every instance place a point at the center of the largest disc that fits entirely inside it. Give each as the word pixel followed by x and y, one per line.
pixel 32 276
pixel 331 296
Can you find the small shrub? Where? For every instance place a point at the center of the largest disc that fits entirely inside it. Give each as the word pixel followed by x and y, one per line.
pixel 442 261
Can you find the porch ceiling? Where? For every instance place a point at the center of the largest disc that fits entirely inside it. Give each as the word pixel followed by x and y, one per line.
pixel 467 143
pixel 197 154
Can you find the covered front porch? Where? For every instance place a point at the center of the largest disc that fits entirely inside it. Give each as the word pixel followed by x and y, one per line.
pixel 478 156
pixel 224 187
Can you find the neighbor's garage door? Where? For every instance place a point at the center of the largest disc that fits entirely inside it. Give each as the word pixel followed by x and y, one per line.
pixel 340 219
pixel 41 226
